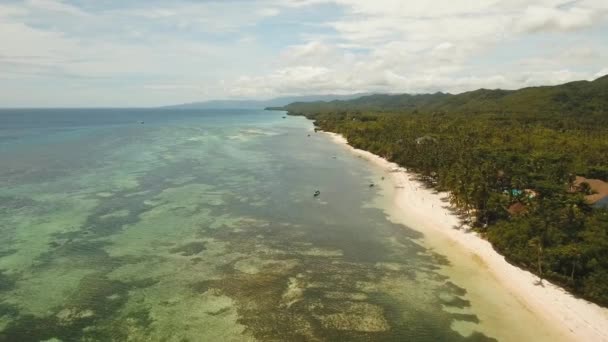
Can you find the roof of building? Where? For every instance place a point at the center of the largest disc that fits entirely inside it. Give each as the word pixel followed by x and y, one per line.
pixel 517 208
pixel 599 187
pixel 602 203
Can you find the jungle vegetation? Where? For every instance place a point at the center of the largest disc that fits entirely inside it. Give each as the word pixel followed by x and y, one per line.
pixel 497 150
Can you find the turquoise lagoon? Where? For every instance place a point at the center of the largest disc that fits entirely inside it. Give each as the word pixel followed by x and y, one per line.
pixel 168 225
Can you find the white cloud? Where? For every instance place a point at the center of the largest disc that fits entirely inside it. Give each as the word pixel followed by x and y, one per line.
pixel 537 18
pixel 55 6
pixel 268 12
pixel 214 16
pixel 54 53
pixel 172 87
pixel 601 73
pixel 20 42
pixel 11 11
pixel 153 52
pixel 407 46
pixel 311 54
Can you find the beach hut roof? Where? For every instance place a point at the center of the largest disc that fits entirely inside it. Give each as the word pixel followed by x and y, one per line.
pixel 517 208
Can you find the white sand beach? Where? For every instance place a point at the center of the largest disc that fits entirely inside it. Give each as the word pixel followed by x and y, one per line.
pixel 500 292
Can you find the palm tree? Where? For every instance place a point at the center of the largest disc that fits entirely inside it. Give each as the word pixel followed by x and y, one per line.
pixel 537 244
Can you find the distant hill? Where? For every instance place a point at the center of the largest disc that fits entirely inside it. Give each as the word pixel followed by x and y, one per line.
pixel 261 104
pixel 509 159
pixel 570 98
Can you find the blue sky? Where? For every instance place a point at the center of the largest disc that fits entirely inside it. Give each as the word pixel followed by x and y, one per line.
pixel 149 53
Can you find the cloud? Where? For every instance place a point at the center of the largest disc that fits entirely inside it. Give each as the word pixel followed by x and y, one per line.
pixel 399 46
pixel 19 40
pixel 157 52
pixel 207 17
pixel 55 6
pixel 172 87
pixel 7 11
pixel 268 12
pixel 312 53
pixel 601 73
pixel 537 19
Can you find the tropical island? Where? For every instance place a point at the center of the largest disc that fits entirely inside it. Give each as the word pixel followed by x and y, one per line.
pixel 526 169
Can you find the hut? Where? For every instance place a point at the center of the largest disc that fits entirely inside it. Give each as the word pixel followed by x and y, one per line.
pixel 517 208
pixel 597 187
pixel 602 203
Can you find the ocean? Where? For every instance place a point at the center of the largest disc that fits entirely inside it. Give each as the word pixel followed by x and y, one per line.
pixel 201 225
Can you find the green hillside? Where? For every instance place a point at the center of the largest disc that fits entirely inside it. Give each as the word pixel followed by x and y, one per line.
pixel 509 160
pixel 581 97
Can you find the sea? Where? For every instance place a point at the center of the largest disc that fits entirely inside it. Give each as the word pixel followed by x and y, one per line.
pixel 203 225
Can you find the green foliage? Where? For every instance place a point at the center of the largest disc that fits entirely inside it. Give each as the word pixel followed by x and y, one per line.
pixel 492 149
pixel 570 99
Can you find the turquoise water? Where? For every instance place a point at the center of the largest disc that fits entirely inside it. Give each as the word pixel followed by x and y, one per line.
pixel 158 225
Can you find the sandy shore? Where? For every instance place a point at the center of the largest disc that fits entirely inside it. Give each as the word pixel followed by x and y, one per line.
pixel 427 211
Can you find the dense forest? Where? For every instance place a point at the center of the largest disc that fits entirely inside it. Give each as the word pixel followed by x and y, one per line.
pixel 509 160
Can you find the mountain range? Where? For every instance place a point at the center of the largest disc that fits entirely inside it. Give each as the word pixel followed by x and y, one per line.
pixel 261 104
pixel 580 97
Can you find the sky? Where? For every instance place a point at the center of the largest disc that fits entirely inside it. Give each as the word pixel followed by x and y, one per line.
pixel 92 53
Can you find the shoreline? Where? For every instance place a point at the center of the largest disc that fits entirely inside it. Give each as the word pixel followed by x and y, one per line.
pixel 428 212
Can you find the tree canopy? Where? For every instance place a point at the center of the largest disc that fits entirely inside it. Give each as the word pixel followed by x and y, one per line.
pixel 509 160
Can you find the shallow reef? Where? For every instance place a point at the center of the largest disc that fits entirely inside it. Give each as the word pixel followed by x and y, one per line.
pixel 191 232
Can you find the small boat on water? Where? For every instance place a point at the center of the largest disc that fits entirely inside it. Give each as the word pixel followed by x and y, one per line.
pixel 317 193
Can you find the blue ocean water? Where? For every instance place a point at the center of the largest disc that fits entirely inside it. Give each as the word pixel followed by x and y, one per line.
pixel 190 225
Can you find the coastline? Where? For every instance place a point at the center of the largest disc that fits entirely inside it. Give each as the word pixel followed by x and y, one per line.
pixel 422 209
